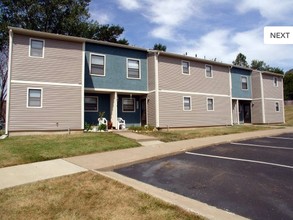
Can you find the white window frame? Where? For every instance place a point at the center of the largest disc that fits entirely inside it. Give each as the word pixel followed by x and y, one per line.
pixel 91 96
pixel 208 104
pixel 246 82
pixel 190 104
pixel 184 61
pixel 277 104
pixel 30 47
pixel 133 105
pixel 212 74
pixel 90 66
pixel 27 97
pixel 139 68
pixel 275 81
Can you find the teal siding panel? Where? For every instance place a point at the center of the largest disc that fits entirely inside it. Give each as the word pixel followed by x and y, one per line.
pixel 116 69
pixel 237 91
pixel 131 118
pixel 103 106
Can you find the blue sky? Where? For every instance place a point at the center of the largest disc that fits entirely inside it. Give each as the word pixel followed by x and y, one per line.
pixel 207 28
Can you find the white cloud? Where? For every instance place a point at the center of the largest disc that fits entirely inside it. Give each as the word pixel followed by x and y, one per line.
pixel 272 10
pixel 101 17
pixel 129 4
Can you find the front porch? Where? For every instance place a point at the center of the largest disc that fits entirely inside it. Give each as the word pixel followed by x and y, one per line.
pixel 241 110
pixel 129 106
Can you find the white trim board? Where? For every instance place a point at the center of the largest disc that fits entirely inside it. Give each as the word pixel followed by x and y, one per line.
pixel 45 83
pixel 115 90
pixel 194 93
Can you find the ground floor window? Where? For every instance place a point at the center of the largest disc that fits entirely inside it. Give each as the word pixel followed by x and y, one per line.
pixel 34 98
pixel 277 105
pixel 128 105
pixel 90 103
pixel 187 103
pixel 210 104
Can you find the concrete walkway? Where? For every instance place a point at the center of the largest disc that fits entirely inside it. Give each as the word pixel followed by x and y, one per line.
pixel 103 163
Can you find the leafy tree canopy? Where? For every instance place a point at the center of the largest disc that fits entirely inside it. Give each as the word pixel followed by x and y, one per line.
pixel 160 47
pixel 288 85
pixel 240 60
pixel 68 17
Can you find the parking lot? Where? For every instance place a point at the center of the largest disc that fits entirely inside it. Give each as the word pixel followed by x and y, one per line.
pixel 252 178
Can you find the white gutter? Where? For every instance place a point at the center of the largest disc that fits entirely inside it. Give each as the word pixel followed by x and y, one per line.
pixel 262 98
pixel 82 87
pixel 8 82
pixel 231 102
pixel 157 109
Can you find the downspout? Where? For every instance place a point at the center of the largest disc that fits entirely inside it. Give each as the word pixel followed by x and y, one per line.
pixel 283 108
pixel 157 89
pixel 8 82
pixel 231 102
pixel 82 85
pixel 262 98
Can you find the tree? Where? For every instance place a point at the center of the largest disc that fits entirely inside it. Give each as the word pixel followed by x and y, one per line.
pixel 258 65
pixel 288 85
pixel 240 60
pixel 160 47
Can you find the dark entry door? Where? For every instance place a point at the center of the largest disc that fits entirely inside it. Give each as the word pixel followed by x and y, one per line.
pixel 244 112
pixel 143 112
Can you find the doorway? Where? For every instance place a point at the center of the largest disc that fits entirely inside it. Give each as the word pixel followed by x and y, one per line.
pixel 143 112
pixel 244 112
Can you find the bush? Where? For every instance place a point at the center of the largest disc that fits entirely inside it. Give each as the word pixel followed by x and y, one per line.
pixel 102 127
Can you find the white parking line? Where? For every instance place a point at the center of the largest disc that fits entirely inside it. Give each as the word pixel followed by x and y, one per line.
pixel 237 159
pixel 284 138
pixel 263 146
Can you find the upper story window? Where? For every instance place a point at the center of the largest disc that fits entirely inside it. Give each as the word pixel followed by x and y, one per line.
pixel 36 48
pixel 185 67
pixel 244 82
pixel 34 98
pixel 209 71
pixel 210 104
pixel 187 103
pixel 133 69
pixel 275 81
pixel 91 103
pixel 277 106
pixel 97 65
pixel 128 105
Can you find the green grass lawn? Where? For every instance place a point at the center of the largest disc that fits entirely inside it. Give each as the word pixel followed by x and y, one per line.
pixel 289 115
pixel 27 149
pixel 84 196
pixel 184 134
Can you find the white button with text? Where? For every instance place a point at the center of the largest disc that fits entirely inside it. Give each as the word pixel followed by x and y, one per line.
pixel 278 35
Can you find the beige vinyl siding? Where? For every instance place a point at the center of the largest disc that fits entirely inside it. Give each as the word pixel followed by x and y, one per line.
pixel 256 112
pixel 60 104
pixel 62 62
pixel 171 77
pixel 271 115
pixel 172 114
pixel 151 72
pixel 270 91
pixel 151 109
pixel 256 86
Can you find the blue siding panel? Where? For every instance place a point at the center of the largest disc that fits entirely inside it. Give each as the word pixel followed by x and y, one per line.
pixel 237 91
pixel 116 69
pixel 103 106
pixel 131 118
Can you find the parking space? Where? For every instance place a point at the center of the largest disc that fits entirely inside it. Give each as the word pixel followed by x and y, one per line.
pixel 252 178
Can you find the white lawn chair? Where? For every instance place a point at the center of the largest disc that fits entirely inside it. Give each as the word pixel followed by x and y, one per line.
pixel 103 121
pixel 120 124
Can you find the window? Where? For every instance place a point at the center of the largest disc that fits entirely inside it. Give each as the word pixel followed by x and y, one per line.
pixel 91 103
pixel 185 67
pixel 277 106
pixel 244 84
pixel 128 105
pixel 34 99
pixel 36 48
pixel 275 81
pixel 187 103
pixel 98 65
pixel 210 104
pixel 133 69
pixel 209 71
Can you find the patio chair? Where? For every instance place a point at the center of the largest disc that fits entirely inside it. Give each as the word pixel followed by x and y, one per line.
pixel 120 124
pixel 103 121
